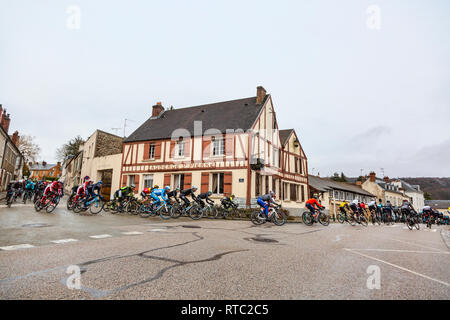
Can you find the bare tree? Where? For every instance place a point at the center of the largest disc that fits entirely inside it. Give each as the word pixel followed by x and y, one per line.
pixel 29 149
pixel 69 149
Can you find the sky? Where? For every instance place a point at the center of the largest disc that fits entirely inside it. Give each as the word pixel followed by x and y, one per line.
pixel 363 89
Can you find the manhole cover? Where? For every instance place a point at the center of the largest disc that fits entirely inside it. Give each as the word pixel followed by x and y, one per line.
pixel 36 225
pixel 194 227
pixel 263 240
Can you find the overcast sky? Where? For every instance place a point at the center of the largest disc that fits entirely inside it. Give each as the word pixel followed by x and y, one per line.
pixel 358 97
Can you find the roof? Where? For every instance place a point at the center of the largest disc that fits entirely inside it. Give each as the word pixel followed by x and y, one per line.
pixel 40 166
pixel 234 114
pixel 438 204
pixel 409 188
pixel 324 184
pixel 385 185
pixel 284 135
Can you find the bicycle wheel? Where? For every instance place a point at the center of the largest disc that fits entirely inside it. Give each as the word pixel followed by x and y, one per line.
pixel 255 218
pixel 324 219
pixel 363 220
pixel 279 218
pixel 70 203
pixel 132 208
pixel 78 206
pixel 96 207
pixel 219 212
pixel 196 213
pixel 307 218
pixel 176 212
pixel 143 212
pixel 50 207
pixel 341 218
pixel 416 224
pixel 164 212
pixel 409 224
pixel 37 205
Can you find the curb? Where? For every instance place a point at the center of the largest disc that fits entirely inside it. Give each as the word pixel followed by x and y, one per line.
pixel 445 234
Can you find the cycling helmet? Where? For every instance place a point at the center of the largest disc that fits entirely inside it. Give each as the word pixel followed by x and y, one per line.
pixel 100 182
pixel 272 193
pixel 146 190
pixel 133 185
pixel 155 186
pixel 194 187
pixel 86 178
pixel 209 193
pixel 167 188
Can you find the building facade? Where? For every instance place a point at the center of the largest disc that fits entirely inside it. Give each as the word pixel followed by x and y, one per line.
pixel 413 192
pixel 11 160
pixel 43 170
pixel 384 190
pixel 231 147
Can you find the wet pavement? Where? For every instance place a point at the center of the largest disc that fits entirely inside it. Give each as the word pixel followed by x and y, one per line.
pixel 128 257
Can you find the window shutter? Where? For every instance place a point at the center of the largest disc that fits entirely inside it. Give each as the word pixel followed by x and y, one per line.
pixel 146 151
pixel 136 182
pixel 205 182
pixel 158 150
pixel 187 180
pixel 206 148
pixel 172 149
pixel 124 181
pixel 229 145
pixel 227 183
pixel 187 148
pixel 166 179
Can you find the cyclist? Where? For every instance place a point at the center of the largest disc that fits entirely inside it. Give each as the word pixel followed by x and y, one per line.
pixel 81 190
pixel 426 213
pixel 227 202
pixel 55 187
pixel 406 209
pixel 173 194
pixel 10 189
pixel 188 192
pixel 29 188
pixel 264 201
pixel 92 190
pixel 355 206
pixel 157 193
pixel 145 193
pixel 205 196
pixel 343 206
pixel 311 204
pixel 124 192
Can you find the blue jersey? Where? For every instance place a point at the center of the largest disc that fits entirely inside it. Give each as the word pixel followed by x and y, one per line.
pixel 159 193
pixel 29 185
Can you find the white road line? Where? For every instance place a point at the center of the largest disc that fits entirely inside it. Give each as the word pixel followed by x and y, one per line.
pixel 417 245
pixel 17 247
pixel 64 240
pixel 157 230
pixel 396 250
pixel 399 267
pixel 132 233
pixel 101 236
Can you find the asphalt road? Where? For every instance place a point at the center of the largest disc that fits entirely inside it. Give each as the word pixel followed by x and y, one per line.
pixel 127 257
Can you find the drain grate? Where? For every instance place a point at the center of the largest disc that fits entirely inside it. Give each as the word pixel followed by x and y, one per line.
pixel 193 227
pixel 36 225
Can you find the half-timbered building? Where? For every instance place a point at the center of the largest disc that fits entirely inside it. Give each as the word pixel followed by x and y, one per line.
pixel 232 147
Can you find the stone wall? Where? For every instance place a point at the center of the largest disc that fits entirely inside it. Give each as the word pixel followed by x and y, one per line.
pixel 107 144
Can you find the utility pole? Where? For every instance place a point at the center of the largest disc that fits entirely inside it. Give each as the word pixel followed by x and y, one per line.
pixel 382 172
pixel 125 125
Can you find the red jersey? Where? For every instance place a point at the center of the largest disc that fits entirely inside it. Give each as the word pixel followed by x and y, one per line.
pixel 313 202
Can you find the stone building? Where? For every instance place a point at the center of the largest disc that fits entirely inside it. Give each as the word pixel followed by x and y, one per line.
pixel 101 156
pixel 11 160
pixel 385 190
pixel 413 192
pixel 232 147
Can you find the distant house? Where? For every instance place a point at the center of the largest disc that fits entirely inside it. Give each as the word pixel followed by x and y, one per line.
pixel 385 190
pixel 331 193
pixel 41 170
pixel 413 192
pixel 439 205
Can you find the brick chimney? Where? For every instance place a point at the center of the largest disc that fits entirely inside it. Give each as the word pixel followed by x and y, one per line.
pixel 386 179
pixel 372 176
pixel 358 183
pixel 260 94
pixel 157 109
pixel 5 120
pixel 44 163
pixel 15 137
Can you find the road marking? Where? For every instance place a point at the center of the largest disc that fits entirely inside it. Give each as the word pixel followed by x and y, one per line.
pixel 434 230
pixel 132 233
pixel 64 240
pixel 417 245
pixel 397 250
pixel 17 247
pixel 157 230
pixel 399 267
pixel 101 236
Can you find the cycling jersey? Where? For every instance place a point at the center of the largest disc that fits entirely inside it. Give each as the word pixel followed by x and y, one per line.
pixel 313 202
pixel 372 204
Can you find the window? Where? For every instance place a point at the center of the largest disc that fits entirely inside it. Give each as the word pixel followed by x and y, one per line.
pixel 218 146
pixel 217 183
pixel 285 191
pixel 267 184
pixel 300 162
pixel 275 158
pixel 178 181
pixel 303 193
pixel 296 165
pixel 148 180
pixel 293 192
pixel 180 148
pixel 151 153
pixel 131 180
